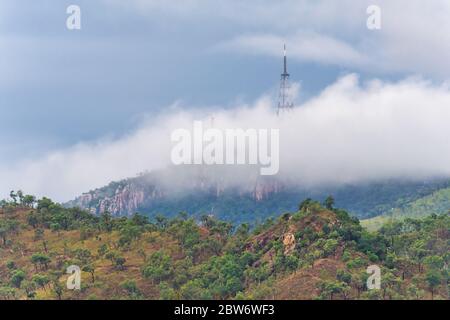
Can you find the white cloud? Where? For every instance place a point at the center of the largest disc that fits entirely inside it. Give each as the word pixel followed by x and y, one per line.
pixel 414 38
pixel 350 132
pixel 304 46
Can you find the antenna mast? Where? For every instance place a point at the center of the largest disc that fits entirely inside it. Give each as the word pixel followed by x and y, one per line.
pixel 284 103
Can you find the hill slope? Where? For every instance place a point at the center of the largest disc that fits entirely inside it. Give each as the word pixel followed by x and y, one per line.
pixel 437 202
pixel 313 253
pixel 261 198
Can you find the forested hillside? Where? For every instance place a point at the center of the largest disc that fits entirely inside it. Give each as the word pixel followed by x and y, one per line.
pixel 314 252
pixel 254 203
pixel 438 202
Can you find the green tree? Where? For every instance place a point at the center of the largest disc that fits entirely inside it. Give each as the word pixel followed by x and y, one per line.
pixel 17 277
pixel 330 246
pixel 84 255
pixel 29 201
pixel 116 259
pixel 7 228
pixel 434 262
pixel 433 279
pixel 166 292
pixel 7 293
pixel 194 290
pixel 329 202
pixel 328 289
pixel 131 289
pixel 40 280
pixel 159 267
pixel 58 289
pixel 29 287
pixel 91 270
pixel 11 265
pixel 40 260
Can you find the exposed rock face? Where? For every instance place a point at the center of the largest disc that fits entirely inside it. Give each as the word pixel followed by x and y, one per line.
pixel 129 196
pixel 125 199
pixel 237 196
pixel 289 243
pixel 264 189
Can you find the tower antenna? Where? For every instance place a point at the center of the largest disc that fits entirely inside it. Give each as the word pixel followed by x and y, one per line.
pixel 284 102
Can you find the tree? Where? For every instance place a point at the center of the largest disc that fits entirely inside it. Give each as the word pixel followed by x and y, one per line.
pixel 29 201
pixel 390 283
pixel 166 292
pixel 106 221
pixel 418 252
pixel 17 277
pixel 84 255
pixel 40 260
pixel 33 220
pixel 90 269
pixel 58 289
pixel 20 196
pixel 56 227
pixel 116 259
pixel 7 293
pixel 194 290
pixel 131 289
pixel 13 196
pixel 142 254
pixel 8 227
pixel 304 205
pixel 159 267
pixel 187 233
pixel 29 287
pixel 139 219
pixel 359 282
pixel 414 292
pixel 128 233
pixel 434 279
pixel 329 288
pixel 119 262
pixel 161 222
pixel 39 234
pixel 391 230
pixel 434 262
pixel 102 250
pixel 11 265
pixel 329 202
pixel 330 246
pixel 41 280
pixel 344 276
pixel 44 203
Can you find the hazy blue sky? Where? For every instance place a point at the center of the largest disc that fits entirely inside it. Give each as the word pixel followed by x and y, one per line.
pixel 134 58
pixel 58 87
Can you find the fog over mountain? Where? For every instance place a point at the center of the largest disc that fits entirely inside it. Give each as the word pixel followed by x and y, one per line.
pixel 350 132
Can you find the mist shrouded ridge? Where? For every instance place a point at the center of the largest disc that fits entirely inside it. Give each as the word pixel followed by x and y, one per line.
pixel 349 133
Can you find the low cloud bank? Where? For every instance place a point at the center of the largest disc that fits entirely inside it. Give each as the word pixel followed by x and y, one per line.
pixel 349 133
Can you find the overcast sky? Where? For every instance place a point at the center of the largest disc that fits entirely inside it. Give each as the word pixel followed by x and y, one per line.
pixel 133 59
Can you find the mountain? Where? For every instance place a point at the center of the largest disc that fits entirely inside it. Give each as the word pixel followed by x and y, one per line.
pixel 310 253
pixel 258 199
pixel 437 202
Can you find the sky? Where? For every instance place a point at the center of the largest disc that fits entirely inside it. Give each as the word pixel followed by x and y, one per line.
pixel 135 64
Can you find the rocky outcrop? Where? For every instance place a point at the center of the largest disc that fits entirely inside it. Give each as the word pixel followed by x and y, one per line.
pixel 124 199
pixel 263 189
pixel 128 196
pixel 288 243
